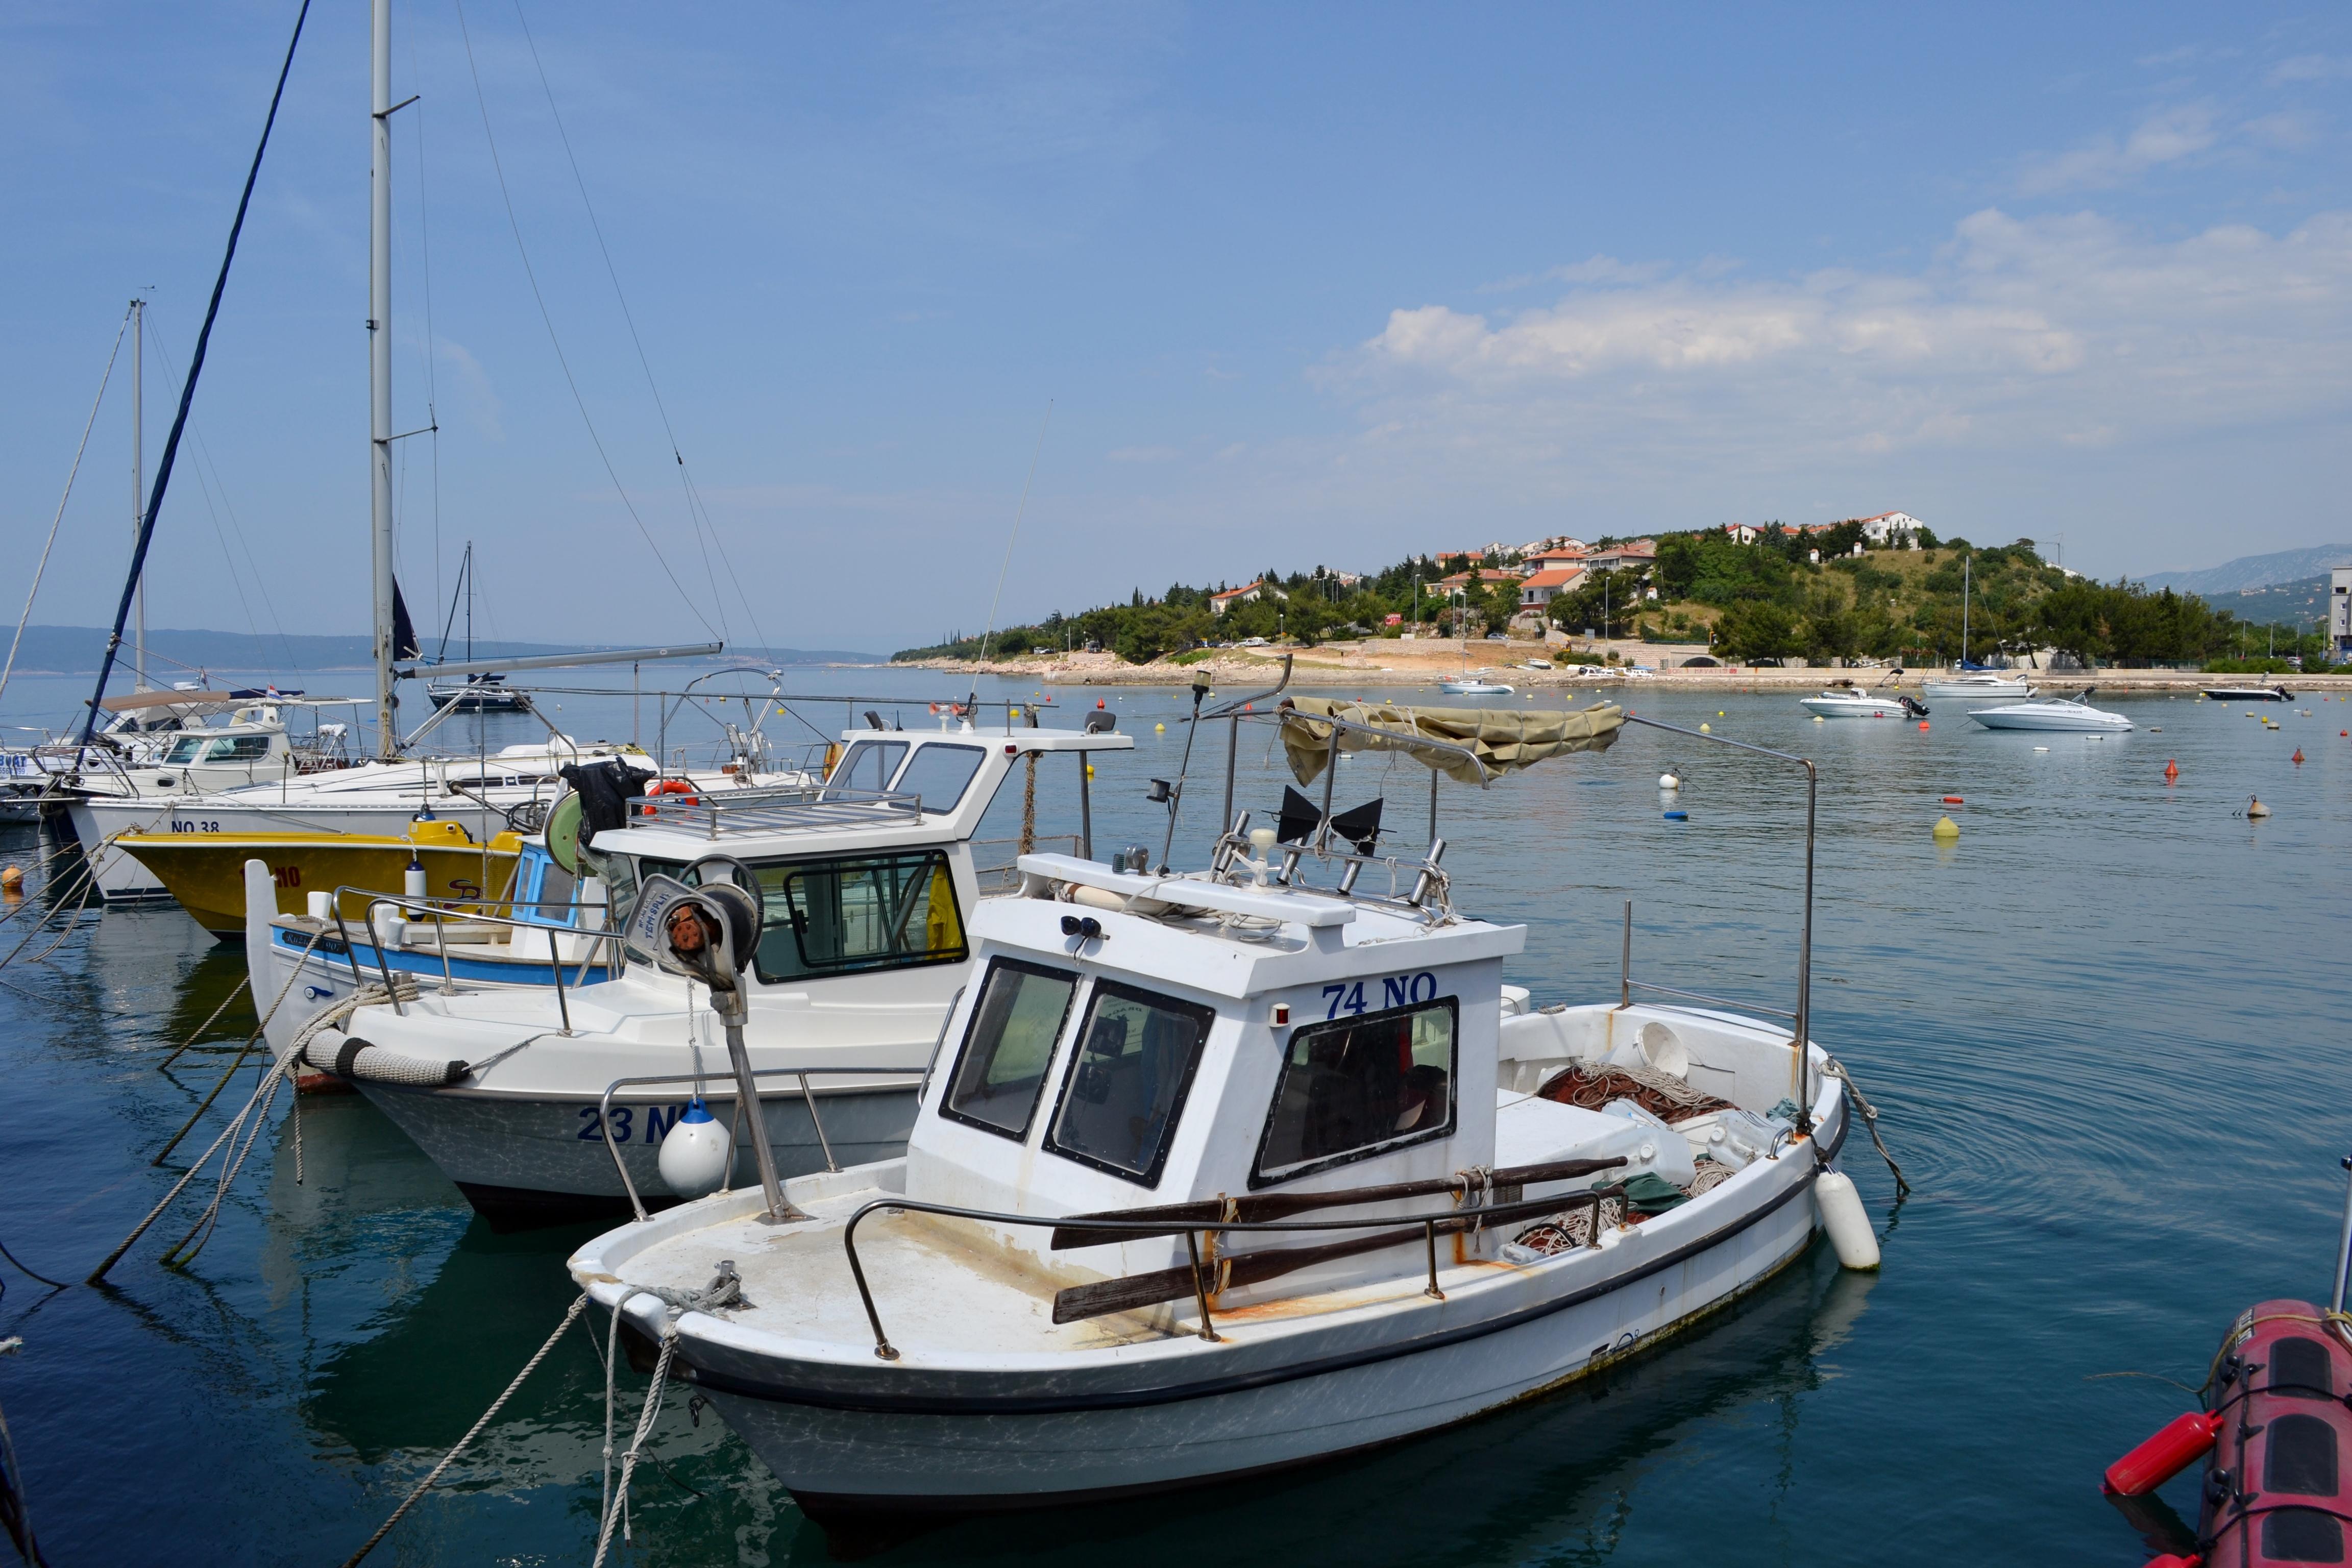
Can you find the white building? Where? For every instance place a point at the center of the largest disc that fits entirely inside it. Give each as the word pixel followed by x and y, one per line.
pixel 1248 592
pixel 1892 530
pixel 2339 612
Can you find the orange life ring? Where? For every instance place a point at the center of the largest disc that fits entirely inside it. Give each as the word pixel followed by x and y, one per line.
pixel 670 786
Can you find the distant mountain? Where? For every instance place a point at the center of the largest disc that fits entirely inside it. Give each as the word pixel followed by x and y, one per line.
pixel 177 655
pixel 2299 604
pixel 2249 571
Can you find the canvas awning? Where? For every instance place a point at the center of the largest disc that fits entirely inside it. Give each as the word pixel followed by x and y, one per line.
pixel 1503 739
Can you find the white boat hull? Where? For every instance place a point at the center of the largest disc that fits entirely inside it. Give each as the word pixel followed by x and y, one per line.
pixel 1971 691
pixel 536 1158
pixel 850 1438
pixel 1842 707
pixel 2052 718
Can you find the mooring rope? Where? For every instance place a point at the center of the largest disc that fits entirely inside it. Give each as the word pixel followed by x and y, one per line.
pixel 471 1433
pixel 1836 1069
pixel 654 1394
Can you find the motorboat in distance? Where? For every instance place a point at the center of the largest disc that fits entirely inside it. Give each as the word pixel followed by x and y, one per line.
pixel 1972 684
pixel 1474 686
pixel 1844 699
pixel 2054 713
pixel 2248 693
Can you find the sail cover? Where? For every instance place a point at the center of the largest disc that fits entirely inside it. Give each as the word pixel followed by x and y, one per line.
pixel 1503 739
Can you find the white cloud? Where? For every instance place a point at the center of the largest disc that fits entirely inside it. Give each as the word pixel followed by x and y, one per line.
pixel 2022 335
pixel 2312 68
pixel 2166 137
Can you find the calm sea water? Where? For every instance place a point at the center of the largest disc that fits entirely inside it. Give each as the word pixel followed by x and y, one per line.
pixel 2105 1030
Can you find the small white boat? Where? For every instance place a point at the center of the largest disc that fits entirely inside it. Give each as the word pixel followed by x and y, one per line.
pixel 1844 699
pixel 2248 693
pixel 867 881
pixel 1078 1282
pixel 2057 713
pixel 1973 684
pixel 1474 686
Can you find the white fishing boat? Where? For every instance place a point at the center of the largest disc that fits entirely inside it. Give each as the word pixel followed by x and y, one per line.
pixel 868 884
pixel 1074 1284
pixel 1844 699
pixel 1972 684
pixel 1473 685
pixel 2054 713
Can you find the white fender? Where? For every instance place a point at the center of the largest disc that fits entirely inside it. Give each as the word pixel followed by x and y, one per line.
pixel 694 1153
pixel 1843 1217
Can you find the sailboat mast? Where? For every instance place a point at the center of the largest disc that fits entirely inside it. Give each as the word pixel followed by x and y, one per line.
pixel 380 365
pixel 139 481
pixel 1967 565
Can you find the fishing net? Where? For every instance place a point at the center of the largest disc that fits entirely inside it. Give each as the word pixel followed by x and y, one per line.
pixel 1663 1095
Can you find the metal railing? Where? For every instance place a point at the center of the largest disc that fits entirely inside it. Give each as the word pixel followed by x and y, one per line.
pixel 1498 1213
pixel 1627 984
pixel 440 916
pixel 775 807
pixel 735 1126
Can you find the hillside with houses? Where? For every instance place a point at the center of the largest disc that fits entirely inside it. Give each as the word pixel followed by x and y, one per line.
pixel 1883 588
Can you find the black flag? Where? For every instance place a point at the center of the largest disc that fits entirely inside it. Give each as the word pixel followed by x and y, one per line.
pixel 403 632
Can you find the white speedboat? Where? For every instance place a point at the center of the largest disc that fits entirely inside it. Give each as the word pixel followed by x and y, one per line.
pixel 1971 685
pixel 2055 713
pixel 2248 693
pixel 1844 699
pixel 868 883
pixel 1218 1173
pixel 1476 685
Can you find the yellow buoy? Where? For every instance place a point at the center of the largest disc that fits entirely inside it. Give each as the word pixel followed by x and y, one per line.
pixel 1160 727
pixel 1709 729
pixel 2256 808
pixel 1947 828
pixel 1819 720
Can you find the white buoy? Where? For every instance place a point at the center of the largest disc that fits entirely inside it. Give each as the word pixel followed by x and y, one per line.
pixel 1843 1217
pixel 1668 781
pixel 694 1153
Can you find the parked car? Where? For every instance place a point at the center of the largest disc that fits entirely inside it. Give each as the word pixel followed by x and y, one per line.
pixel 1252 642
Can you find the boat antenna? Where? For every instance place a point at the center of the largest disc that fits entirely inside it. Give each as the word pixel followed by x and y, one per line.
pixel 188 391
pixel 971 697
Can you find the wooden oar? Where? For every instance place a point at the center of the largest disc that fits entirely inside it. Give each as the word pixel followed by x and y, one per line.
pixel 1259 1207
pixel 1131 1291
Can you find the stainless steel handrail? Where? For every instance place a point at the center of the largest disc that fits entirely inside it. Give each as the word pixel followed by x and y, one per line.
pixel 1524 1209
pixel 604 1112
pixel 1703 997
pixel 441 913
pixel 1802 1036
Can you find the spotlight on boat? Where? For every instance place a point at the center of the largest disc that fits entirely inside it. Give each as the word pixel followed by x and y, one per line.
pixel 1085 928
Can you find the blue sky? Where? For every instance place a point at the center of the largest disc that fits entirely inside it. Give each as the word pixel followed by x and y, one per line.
pixel 1301 285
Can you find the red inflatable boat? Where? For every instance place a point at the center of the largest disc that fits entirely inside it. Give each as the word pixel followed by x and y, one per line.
pixel 2275 1436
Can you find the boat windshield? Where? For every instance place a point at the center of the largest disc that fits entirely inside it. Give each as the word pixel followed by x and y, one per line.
pixel 184 750
pixel 1359 1087
pixel 1008 1046
pixel 1126 1081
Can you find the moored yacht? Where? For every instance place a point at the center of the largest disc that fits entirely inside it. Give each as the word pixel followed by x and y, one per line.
pixel 1844 699
pixel 1972 684
pixel 1218 1173
pixel 2065 714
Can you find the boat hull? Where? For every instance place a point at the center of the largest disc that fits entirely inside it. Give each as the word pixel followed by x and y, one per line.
pixel 1974 690
pixel 847 1456
pixel 540 1159
pixel 205 872
pixel 2031 717
pixel 1830 709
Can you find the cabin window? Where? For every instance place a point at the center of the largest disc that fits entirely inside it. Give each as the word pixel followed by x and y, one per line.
pixel 238 749
pixel 185 749
pixel 1126 1086
pixel 868 912
pixel 1008 1044
pixel 868 764
pixel 940 774
pixel 1360 1087
pixel 555 893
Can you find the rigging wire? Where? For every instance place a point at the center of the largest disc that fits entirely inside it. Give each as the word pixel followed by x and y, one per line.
pixel 696 509
pixel 205 462
pixel 546 317
pixel 14 643
pixel 432 384
pixel 188 390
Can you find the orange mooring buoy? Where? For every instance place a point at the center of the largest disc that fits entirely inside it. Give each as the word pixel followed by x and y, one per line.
pixel 2171 770
pixel 2298 756
pixel 1923 723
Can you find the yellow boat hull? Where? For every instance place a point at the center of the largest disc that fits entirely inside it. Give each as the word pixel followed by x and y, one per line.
pixel 205 872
